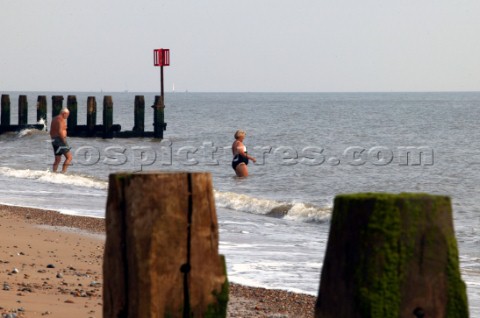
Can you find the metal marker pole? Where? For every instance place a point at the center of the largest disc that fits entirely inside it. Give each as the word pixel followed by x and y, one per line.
pixel 161 85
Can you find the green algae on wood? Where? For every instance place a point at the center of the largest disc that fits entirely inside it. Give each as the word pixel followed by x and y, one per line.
pixel 219 309
pixel 390 255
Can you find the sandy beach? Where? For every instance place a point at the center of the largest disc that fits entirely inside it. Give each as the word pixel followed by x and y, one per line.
pixel 51 266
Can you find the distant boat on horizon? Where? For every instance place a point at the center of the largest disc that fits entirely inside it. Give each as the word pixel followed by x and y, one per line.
pixel 173 88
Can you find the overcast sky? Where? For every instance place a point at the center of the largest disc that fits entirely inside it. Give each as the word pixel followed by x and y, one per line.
pixel 241 46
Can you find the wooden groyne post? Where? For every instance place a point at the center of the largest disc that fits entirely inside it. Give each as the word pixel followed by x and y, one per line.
pixel 391 255
pixel 91 115
pixel 158 117
pixel 72 106
pixel 107 116
pixel 42 108
pixel 161 252
pixel 139 115
pixel 5 104
pixel 57 105
pixel 22 110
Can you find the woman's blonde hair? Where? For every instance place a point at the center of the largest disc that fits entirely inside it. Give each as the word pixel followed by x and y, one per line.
pixel 239 133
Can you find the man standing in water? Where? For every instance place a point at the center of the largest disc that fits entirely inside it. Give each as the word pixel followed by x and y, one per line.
pixel 58 133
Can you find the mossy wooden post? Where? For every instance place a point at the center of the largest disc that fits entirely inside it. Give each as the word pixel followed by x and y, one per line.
pixel 57 104
pixel 91 115
pixel 22 110
pixel 5 104
pixel 161 252
pixel 158 117
pixel 42 108
pixel 107 116
pixel 72 106
pixel 391 255
pixel 139 124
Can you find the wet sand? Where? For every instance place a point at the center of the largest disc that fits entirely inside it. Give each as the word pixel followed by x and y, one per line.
pixel 51 266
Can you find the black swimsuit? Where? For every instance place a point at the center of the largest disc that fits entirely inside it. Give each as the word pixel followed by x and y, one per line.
pixel 238 159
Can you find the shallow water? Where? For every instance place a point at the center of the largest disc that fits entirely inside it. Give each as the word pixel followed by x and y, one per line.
pixel 305 145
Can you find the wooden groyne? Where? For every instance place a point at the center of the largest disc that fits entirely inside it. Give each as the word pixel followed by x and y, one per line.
pixel 391 255
pixel 106 130
pixel 161 252
pixel 5 125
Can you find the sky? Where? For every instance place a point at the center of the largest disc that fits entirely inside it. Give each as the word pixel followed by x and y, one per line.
pixel 240 46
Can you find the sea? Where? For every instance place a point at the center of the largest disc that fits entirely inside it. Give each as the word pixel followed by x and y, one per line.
pixel 310 147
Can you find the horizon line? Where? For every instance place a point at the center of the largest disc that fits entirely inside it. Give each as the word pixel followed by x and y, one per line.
pixel 239 92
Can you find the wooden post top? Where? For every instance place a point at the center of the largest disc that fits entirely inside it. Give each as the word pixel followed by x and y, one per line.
pixel 391 255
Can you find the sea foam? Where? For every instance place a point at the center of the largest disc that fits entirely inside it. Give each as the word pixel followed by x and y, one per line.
pixel 298 211
pixel 58 178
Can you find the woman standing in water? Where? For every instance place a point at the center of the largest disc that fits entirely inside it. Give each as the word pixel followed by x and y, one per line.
pixel 240 155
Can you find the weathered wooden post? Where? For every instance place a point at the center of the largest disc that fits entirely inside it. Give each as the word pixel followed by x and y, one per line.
pixel 139 116
pixel 22 110
pixel 391 255
pixel 91 115
pixel 72 106
pixel 107 116
pixel 42 108
pixel 57 104
pixel 5 104
pixel 158 117
pixel 161 252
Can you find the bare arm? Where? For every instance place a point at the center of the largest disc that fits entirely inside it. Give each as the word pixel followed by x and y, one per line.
pixel 63 130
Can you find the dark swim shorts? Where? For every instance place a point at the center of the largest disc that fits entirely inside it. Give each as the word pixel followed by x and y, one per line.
pixel 59 147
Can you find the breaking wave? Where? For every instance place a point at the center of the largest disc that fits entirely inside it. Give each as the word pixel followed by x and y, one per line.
pixel 58 178
pixel 298 211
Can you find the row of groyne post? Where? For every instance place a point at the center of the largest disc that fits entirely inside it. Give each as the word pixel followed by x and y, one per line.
pixel 92 129
pixel 388 255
